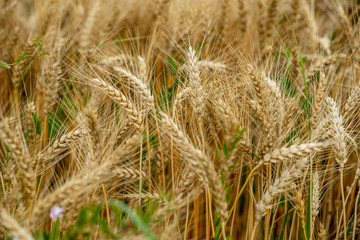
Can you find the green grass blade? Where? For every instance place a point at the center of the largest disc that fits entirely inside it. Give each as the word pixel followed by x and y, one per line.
pixel 134 217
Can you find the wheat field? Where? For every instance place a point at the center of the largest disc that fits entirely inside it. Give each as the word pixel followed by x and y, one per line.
pixel 179 119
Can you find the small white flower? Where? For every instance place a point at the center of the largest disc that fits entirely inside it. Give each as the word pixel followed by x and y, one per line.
pixel 56 212
pixel 16 238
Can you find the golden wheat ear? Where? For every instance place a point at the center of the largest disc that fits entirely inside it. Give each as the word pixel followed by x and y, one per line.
pixel 199 162
pixel 96 174
pixel 14 228
pixel 119 98
pixel 21 157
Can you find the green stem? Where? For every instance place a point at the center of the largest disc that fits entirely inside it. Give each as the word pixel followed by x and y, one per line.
pixel 310 187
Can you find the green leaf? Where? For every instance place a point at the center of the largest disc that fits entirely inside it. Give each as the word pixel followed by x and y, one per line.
pixel 200 46
pixel 288 51
pixel 44 53
pixel 7 149
pixel 228 189
pixel 41 235
pixel 228 198
pixel 105 227
pixel 40 43
pixel 284 224
pixel 217 230
pixel 287 86
pixel 238 136
pixel 21 57
pixel 166 95
pixel 4 64
pixel 54 125
pixel 217 153
pixel 172 65
pixel 350 226
pixel 217 221
pixel 119 217
pixel 292 136
pixel 352 219
pixel 225 150
pixel 37 124
pixel 26 134
pixel 67 101
pixel 151 205
pixel 314 77
pixel 134 217
pixel 87 218
pixel 305 101
pixel 303 59
pixel 55 233
pixel 181 61
pixel 153 140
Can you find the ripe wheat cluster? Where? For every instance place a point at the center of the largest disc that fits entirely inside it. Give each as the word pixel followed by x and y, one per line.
pixel 179 119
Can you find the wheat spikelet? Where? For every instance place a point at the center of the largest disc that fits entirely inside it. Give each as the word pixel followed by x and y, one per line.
pixel 225 21
pixel 242 16
pixel 294 151
pixel 322 232
pixel 338 131
pixel 160 10
pixel 203 65
pixel 93 125
pixel 89 24
pixel 141 87
pixel 227 115
pixel 29 50
pixel 280 186
pixel 348 31
pixel 21 158
pixel 96 175
pixel 199 163
pixel 52 86
pixel 122 59
pixel 29 119
pixel 180 96
pixel 14 228
pixel 198 94
pixel 271 19
pixel 186 182
pixel 261 108
pixel 318 105
pixel 242 147
pixel 316 196
pixel 129 173
pixel 118 97
pixel 172 205
pixel 352 102
pixel 47 158
pixel 300 207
